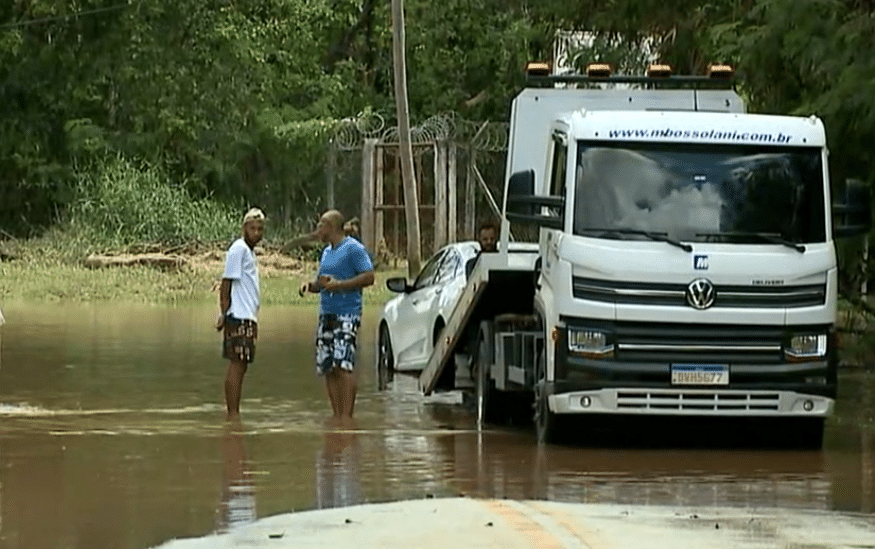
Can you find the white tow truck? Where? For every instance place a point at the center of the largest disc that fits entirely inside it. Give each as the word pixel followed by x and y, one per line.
pixel 680 262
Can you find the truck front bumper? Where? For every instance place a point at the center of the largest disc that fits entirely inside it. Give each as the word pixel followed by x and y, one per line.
pixel 691 402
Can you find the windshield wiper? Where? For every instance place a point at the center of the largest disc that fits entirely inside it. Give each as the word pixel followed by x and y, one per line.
pixel 659 237
pixel 774 238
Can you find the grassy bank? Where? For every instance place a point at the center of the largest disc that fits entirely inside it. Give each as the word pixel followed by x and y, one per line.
pixel 122 207
pixel 44 275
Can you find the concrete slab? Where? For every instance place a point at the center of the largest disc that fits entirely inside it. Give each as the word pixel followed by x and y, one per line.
pixel 456 523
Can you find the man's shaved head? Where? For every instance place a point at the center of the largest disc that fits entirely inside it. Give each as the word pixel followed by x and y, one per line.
pixel 330 227
pixel 333 218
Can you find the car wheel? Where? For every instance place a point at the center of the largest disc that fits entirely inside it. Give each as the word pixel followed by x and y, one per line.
pixel 385 361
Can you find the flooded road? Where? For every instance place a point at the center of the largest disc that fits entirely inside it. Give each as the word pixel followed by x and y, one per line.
pixel 112 435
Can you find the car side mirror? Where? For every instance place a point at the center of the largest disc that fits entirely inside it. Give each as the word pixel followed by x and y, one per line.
pixel 397 284
pixel 852 213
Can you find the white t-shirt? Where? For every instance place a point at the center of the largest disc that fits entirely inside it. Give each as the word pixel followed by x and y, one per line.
pixel 242 268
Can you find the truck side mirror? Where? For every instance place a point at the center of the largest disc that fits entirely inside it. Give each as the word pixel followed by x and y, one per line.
pixel 523 206
pixel 852 214
pixel 521 185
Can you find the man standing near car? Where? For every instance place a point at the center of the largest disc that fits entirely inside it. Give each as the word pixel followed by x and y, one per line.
pixel 344 269
pixel 239 302
pixel 488 239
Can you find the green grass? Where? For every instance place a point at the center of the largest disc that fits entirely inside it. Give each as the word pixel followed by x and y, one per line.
pixel 125 207
pixel 50 279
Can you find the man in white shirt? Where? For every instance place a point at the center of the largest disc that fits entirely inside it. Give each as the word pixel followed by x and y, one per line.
pixel 239 301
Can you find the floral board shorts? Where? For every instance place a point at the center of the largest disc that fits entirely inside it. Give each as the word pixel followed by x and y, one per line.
pixel 335 342
pixel 239 341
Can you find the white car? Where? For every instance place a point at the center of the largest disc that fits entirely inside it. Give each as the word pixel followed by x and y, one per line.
pixel 411 322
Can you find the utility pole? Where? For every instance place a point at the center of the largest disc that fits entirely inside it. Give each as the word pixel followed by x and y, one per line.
pixel 411 200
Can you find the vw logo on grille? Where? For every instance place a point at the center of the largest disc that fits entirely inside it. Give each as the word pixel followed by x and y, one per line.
pixel 700 293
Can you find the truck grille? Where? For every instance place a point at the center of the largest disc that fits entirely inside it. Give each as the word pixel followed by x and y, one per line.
pixel 698 343
pixel 654 293
pixel 702 401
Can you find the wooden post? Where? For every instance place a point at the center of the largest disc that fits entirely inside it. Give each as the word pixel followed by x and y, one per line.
pixel 470 198
pixel 420 184
pixel 396 199
pixel 378 198
pixel 864 285
pixel 411 197
pixel 440 194
pixel 367 216
pixel 329 175
pixel 452 228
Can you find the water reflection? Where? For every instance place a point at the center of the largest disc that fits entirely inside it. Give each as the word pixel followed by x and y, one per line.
pixel 104 443
pixel 338 466
pixel 237 504
pixel 500 465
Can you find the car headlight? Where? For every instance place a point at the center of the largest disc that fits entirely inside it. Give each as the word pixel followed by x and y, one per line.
pixel 806 346
pixel 590 343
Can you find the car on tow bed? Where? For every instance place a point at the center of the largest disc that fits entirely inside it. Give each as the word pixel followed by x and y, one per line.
pixel 411 322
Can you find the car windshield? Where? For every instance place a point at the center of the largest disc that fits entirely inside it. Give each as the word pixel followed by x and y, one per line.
pixel 699 193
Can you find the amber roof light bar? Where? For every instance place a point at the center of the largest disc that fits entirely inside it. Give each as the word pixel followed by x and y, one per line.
pixel 674 81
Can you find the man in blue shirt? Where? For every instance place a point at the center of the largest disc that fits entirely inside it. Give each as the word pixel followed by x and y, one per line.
pixel 344 269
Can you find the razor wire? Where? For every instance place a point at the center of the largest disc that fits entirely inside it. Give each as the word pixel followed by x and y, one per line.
pixel 485 136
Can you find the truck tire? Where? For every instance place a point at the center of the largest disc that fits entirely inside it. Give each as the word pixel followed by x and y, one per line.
pixel 385 361
pixel 546 427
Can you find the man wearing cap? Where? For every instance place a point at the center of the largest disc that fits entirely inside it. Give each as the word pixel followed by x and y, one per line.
pixel 239 301
pixel 344 269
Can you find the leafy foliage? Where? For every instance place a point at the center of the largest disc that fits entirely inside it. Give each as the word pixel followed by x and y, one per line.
pixel 124 204
pixel 234 100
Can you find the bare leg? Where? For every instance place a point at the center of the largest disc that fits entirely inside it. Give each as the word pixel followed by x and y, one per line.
pixel 331 386
pixel 348 388
pixel 234 387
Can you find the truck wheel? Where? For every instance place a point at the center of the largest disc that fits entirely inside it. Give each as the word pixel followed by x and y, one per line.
pixel 385 362
pixel 546 427
pixel 485 388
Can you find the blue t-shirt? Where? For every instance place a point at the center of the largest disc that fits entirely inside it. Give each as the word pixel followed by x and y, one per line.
pixel 348 259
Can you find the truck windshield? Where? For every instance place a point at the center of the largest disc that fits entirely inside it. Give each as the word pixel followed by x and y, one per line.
pixel 699 193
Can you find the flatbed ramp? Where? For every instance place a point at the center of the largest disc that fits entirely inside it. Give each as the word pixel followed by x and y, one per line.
pixel 509 274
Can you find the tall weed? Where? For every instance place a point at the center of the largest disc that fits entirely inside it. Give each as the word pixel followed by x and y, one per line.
pixel 121 203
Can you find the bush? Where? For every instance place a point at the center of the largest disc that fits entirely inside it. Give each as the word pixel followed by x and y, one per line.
pixel 120 204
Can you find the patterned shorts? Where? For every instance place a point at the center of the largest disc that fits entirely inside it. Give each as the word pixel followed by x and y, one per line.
pixel 239 343
pixel 335 342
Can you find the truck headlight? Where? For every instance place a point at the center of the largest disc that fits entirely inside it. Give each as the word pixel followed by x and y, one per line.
pixel 806 346
pixel 589 343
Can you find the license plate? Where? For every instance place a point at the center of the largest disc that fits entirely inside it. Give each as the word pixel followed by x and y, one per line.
pixel 699 374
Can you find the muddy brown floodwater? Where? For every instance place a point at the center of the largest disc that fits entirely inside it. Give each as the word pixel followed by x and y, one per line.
pixel 112 435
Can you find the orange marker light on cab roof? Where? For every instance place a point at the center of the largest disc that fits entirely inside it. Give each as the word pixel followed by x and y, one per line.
pixel 599 70
pixel 659 70
pixel 720 71
pixel 537 68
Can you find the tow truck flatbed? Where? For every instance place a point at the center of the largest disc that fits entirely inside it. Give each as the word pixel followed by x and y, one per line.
pixel 518 262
